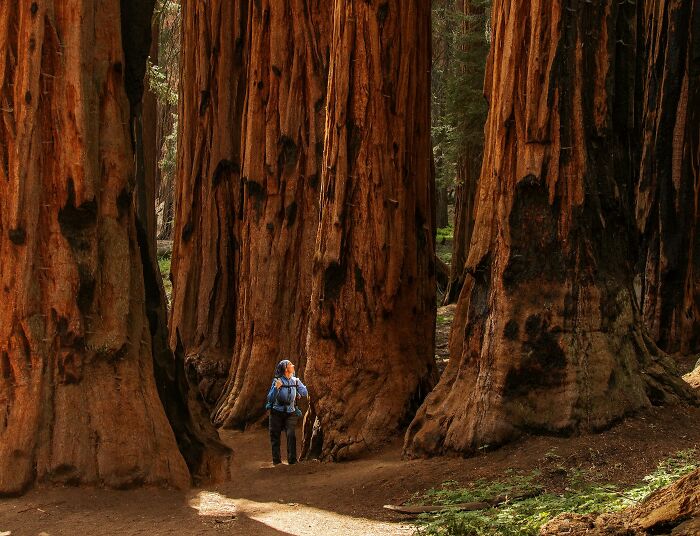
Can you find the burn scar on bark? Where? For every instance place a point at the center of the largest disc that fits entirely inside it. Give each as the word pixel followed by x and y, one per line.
pixel 77 222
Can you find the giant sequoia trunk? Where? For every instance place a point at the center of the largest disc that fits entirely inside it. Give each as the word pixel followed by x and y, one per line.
pixel 78 400
pixel 208 189
pixel 668 193
pixel 547 337
pixel 371 333
pixel 282 150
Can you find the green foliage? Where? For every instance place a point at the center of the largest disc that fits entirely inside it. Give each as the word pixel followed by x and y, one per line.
pixel 667 472
pixel 443 243
pixel 525 517
pixel 164 267
pixel 164 71
pixel 164 82
pixel 460 45
pixel 445 233
pixel 160 85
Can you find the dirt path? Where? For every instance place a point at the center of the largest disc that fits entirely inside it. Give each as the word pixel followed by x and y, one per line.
pixel 341 499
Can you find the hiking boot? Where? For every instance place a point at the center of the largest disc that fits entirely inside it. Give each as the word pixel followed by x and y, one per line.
pixel 276 462
pixel 291 462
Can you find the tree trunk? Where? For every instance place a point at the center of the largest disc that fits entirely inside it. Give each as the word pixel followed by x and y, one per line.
pixel 282 152
pixel 468 167
pixel 206 239
pixel 149 142
pixel 165 182
pixel 442 215
pixel 78 401
pixel 465 189
pixel 371 333
pixel 168 28
pixel 667 209
pixel 546 336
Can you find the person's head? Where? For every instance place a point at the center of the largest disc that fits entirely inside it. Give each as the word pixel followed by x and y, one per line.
pixel 284 368
pixel 289 371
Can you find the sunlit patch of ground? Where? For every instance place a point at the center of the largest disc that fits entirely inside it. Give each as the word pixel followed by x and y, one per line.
pixel 292 518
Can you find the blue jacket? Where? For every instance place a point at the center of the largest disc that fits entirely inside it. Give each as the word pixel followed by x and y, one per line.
pixel 284 398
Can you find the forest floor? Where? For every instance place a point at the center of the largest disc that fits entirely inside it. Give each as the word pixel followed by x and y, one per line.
pixel 346 499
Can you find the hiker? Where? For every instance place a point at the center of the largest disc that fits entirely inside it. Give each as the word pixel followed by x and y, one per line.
pixel 281 401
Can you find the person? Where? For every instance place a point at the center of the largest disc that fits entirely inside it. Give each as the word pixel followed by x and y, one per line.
pixel 281 398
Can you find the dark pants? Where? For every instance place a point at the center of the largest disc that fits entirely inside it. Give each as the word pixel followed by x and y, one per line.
pixel 279 421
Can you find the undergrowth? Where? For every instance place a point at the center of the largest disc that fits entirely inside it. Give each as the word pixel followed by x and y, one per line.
pixel 443 320
pixel 443 243
pixel 164 267
pixel 444 234
pixel 525 517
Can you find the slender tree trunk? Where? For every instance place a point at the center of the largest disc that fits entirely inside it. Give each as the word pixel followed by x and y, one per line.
pixel 546 336
pixel 467 175
pixel 78 402
pixel 465 189
pixel 371 333
pixel 668 193
pixel 167 27
pixel 165 182
pixel 442 215
pixel 282 151
pixel 150 144
pixel 208 191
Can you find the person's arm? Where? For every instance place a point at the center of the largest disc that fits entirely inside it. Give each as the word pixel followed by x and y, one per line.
pixel 272 393
pixel 301 389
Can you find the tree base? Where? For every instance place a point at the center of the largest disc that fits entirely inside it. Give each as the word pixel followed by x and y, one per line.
pixel 561 376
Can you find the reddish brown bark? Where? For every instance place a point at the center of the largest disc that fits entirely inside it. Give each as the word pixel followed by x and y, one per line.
pixel 208 189
pixel 546 336
pixel 668 193
pixel 282 150
pixel 371 333
pixel 78 400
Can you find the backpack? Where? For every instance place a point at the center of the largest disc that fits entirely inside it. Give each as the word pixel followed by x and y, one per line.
pixel 271 400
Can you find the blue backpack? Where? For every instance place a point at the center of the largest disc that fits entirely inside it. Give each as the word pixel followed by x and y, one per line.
pixel 272 399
